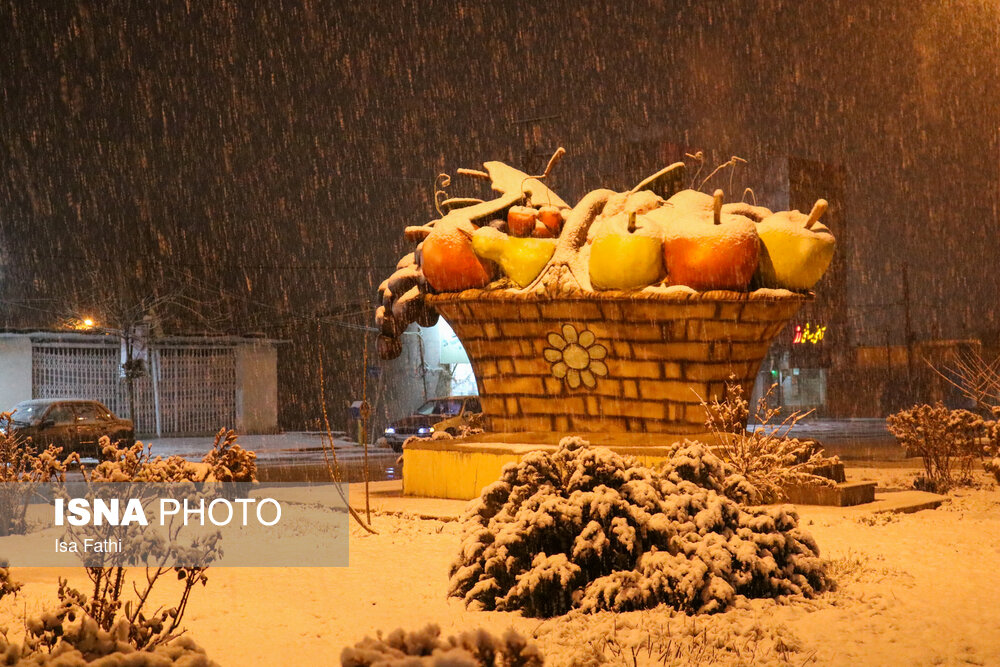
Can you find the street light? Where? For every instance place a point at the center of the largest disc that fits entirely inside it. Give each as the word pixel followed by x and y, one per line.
pixel 79 323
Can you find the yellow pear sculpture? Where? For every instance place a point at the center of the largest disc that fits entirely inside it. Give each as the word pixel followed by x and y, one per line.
pixel 521 259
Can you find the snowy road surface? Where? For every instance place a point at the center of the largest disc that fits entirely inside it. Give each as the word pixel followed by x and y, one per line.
pixel 294 455
pixel 851 439
pixel 298 452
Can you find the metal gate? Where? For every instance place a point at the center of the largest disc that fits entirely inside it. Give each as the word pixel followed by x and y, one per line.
pixel 197 388
pixel 192 389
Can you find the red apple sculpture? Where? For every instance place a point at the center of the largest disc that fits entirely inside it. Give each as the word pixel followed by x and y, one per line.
pixel 448 261
pixel 711 252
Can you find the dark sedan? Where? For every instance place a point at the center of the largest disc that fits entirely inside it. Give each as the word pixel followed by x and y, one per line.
pixel 449 414
pixel 76 425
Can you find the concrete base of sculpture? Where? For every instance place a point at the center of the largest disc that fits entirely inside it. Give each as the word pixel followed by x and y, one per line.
pixel 461 468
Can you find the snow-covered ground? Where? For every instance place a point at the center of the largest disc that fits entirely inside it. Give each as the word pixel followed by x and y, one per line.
pixel 916 589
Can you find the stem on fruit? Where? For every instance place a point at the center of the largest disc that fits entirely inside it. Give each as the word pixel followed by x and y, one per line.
pixel 731 162
pixel 717 207
pixel 440 183
pixel 698 157
pixel 631 222
pixel 552 161
pixel 819 208
pixel 548 169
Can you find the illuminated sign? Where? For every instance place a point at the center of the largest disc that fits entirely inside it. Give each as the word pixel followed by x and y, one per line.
pixel 807 334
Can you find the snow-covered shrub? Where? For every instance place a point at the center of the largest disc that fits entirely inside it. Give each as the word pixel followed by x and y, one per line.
pixel 228 462
pixel 769 459
pixel 992 465
pixel 742 637
pixel 22 469
pixel 137 464
pixel 694 462
pixel 941 437
pixel 426 648
pixel 7 584
pixel 992 448
pixel 69 636
pixel 122 595
pixel 586 528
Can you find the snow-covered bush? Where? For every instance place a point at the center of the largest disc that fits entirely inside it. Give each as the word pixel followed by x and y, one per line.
pixel 225 462
pixel 136 463
pixel 7 584
pixel 586 528
pixel 68 636
pixel 769 459
pixel 992 448
pixel 228 462
pixel 426 648
pixel 22 469
pixel 941 437
pixel 122 596
pixel 992 465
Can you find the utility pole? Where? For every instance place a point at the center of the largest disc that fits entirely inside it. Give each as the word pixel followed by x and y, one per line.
pixel 908 326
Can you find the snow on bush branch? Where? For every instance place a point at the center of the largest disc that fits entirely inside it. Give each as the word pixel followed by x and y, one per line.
pixel 426 648
pixel 69 636
pixel 769 459
pixel 225 462
pixel 943 438
pixel 586 528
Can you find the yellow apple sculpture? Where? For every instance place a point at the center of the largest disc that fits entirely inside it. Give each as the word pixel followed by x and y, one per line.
pixel 521 259
pixel 626 258
pixel 796 248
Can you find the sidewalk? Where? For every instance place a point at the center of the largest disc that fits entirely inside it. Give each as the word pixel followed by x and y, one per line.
pixel 851 439
pixel 295 455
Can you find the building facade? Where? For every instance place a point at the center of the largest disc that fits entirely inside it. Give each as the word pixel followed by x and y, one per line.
pixel 191 385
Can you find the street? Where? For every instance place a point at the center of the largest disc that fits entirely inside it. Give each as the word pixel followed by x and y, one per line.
pixel 291 456
pixel 298 455
pixel 852 439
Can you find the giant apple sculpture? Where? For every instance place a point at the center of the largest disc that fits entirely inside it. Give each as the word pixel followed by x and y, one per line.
pixel 707 249
pixel 797 248
pixel 628 257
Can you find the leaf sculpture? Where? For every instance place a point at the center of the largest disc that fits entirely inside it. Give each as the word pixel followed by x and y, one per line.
pixel 402 294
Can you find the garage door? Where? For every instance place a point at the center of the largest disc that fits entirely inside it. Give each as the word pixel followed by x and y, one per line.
pixel 196 385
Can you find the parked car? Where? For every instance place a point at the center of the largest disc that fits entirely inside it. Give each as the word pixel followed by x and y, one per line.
pixel 76 425
pixel 448 414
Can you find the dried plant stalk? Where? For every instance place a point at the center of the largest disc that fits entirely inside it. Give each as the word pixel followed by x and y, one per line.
pixel 767 457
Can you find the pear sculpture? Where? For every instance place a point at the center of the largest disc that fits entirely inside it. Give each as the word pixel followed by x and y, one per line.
pixel 521 259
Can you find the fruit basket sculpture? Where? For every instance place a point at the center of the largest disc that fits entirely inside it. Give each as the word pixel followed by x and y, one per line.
pixel 622 314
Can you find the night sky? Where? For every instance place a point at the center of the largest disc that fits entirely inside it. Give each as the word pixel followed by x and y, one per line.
pixel 266 156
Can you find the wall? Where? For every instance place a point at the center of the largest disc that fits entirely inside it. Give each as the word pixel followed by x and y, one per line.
pixel 15 370
pixel 256 388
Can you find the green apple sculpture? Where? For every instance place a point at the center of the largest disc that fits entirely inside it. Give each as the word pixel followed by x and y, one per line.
pixel 797 248
pixel 626 259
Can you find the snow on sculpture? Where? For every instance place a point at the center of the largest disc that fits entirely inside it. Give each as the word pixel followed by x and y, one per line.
pixel 682 289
